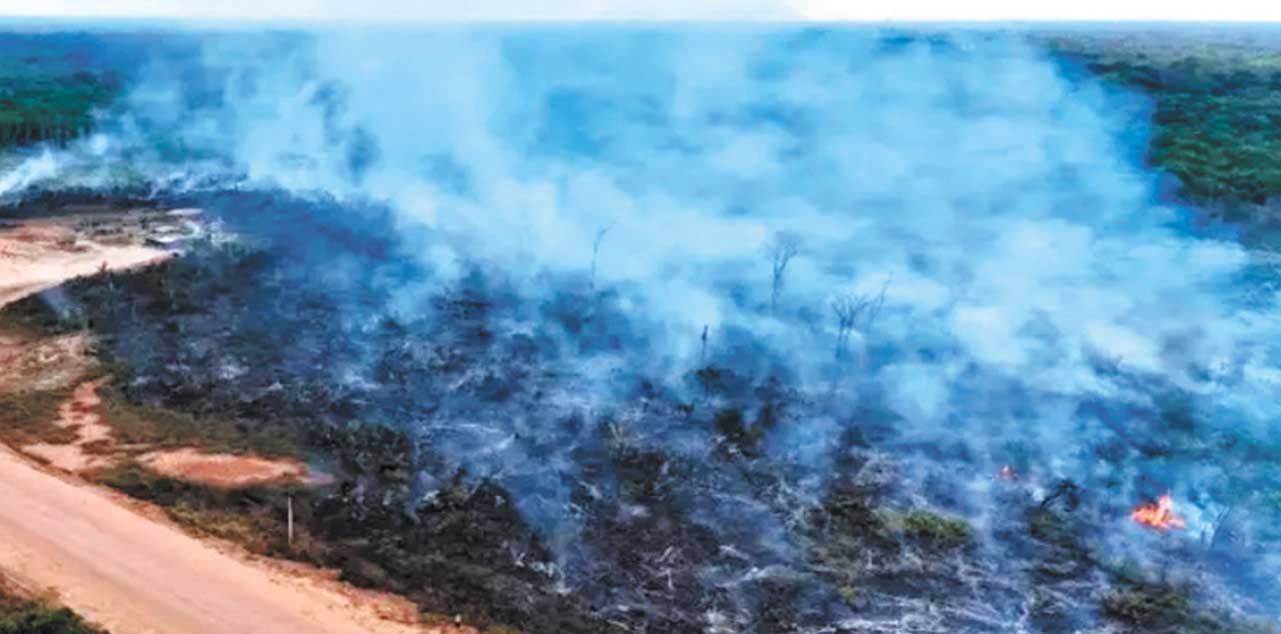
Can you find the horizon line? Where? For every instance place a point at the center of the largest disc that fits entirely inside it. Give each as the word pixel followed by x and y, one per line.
pixel 674 21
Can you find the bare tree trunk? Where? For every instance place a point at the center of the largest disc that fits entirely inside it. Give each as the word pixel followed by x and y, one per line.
pixel 780 252
pixel 600 236
pixel 850 309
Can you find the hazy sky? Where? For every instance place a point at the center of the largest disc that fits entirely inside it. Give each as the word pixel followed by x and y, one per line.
pixel 400 10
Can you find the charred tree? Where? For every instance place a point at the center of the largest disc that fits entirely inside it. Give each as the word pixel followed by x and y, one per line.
pixel 855 311
pixel 780 250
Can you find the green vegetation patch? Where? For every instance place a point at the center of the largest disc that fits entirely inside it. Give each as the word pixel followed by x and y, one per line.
pixel 1149 606
pixel 40 616
pixel 886 527
pixel 936 530
pixel 1167 608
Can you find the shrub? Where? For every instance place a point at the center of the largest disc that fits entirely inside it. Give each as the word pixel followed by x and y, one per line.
pixel 28 417
pixel 21 616
pixel 936 530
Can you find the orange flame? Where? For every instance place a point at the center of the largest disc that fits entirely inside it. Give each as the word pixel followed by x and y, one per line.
pixel 1158 515
pixel 1006 473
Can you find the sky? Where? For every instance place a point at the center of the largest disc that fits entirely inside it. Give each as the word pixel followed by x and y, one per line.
pixel 818 10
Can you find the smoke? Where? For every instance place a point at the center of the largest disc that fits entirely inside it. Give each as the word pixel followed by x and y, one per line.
pixel 28 171
pixel 985 192
pixel 1041 307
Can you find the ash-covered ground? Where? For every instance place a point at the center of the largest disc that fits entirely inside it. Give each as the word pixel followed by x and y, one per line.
pixel 735 331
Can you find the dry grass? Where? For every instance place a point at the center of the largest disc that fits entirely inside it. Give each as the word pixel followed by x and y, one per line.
pixel 28 417
pixel 249 531
pixel 252 518
pixel 1167 609
pixel 160 428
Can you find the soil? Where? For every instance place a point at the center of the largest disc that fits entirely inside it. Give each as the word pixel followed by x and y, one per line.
pixel 37 256
pixel 227 471
pixel 79 415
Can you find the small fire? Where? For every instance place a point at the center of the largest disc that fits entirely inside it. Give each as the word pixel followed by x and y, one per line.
pixel 1006 473
pixel 1158 515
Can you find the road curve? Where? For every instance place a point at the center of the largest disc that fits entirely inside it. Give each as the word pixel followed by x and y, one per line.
pixel 133 575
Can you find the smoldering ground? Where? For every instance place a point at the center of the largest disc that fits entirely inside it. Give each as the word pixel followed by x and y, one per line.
pixel 686 293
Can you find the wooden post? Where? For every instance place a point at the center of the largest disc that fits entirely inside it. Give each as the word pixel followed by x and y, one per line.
pixel 291 521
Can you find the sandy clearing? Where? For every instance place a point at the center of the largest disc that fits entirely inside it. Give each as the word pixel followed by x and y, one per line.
pixel 225 471
pixel 36 257
pixel 20 278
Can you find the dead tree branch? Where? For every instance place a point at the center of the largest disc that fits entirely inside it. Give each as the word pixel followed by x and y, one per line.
pixel 780 250
pixel 855 311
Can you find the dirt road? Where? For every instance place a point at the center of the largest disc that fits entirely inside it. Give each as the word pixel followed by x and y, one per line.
pixel 131 573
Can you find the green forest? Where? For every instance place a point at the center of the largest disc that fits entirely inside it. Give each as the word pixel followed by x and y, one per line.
pixel 50 87
pixel 1216 104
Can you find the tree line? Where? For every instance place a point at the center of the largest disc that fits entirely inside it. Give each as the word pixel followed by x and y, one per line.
pixel 56 109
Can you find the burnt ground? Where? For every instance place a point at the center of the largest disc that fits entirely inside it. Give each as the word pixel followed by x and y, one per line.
pixel 482 470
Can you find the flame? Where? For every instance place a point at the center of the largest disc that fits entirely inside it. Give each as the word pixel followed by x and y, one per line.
pixel 1158 515
pixel 1006 473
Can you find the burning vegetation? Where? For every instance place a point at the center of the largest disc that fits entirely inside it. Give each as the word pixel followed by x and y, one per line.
pixel 1158 515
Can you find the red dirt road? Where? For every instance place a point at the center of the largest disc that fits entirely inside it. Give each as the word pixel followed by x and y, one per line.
pixel 134 575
